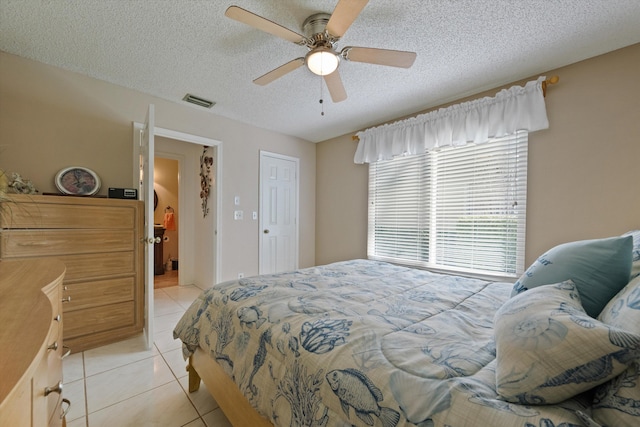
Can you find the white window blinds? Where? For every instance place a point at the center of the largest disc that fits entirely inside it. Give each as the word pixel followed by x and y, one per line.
pixel 461 209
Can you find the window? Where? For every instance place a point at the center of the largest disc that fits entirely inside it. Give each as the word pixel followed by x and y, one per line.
pixel 459 208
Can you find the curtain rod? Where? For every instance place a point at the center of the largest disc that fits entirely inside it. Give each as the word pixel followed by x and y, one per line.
pixel 550 81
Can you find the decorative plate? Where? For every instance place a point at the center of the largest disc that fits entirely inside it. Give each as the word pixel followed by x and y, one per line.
pixel 77 181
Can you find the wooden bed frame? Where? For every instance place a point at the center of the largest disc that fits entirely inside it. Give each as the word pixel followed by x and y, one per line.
pixel 235 406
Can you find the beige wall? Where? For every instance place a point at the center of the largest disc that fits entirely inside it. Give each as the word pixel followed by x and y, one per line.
pixel 582 170
pixel 52 118
pixel 583 179
pixel 341 213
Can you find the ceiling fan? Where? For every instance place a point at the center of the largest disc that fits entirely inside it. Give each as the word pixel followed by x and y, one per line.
pixel 322 33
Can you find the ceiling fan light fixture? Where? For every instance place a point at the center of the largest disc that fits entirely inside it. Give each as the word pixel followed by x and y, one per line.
pixel 322 61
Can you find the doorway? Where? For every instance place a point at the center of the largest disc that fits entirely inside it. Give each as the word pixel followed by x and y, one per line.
pixel 196 253
pixel 166 188
pixel 203 244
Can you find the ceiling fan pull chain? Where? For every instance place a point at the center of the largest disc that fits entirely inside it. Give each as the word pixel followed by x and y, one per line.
pixel 321 100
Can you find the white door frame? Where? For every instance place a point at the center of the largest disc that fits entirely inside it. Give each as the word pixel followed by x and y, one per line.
pixel 200 140
pixel 296 252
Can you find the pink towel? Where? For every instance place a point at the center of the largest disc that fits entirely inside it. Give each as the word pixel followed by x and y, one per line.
pixel 169 221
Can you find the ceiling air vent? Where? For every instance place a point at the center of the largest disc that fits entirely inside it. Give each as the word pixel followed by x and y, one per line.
pixel 198 101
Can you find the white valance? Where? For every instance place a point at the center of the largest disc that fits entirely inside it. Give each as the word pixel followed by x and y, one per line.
pixel 516 108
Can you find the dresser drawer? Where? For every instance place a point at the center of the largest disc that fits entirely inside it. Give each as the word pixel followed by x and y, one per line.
pixel 36 243
pixel 86 266
pixel 40 402
pixel 47 391
pixel 98 319
pixel 47 215
pixel 96 293
pixel 54 376
pixel 53 356
pixel 54 294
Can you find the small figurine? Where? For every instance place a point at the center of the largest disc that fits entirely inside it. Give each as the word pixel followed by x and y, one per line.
pixel 21 185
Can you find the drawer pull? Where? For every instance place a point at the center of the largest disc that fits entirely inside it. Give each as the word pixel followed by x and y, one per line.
pixel 67 299
pixel 65 411
pixel 57 318
pixel 67 351
pixel 55 389
pixel 53 346
pixel 31 244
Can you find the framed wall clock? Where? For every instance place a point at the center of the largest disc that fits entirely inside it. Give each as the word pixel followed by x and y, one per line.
pixel 77 181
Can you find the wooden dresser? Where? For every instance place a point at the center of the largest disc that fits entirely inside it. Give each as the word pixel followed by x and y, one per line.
pixel 31 340
pixel 100 242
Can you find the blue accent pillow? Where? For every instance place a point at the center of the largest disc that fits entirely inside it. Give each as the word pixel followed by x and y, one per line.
pixel 599 268
pixel 635 266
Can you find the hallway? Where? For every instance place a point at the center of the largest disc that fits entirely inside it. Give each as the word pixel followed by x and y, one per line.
pixel 169 278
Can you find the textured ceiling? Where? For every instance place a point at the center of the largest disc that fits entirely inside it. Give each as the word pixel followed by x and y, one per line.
pixel 168 48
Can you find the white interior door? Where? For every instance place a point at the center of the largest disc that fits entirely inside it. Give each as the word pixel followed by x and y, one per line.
pixel 147 152
pixel 278 213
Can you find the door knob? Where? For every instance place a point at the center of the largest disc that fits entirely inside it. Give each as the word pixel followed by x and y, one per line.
pixel 266 231
pixel 55 389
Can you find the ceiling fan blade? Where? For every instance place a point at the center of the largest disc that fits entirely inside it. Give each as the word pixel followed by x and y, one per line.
pixel 279 72
pixel 336 88
pixel 256 21
pixel 343 15
pixel 393 58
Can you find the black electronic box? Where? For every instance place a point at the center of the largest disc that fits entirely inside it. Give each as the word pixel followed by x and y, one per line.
pixel 123 193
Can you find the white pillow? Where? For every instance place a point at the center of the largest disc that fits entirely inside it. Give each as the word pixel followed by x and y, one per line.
pixel 548 349
pixel 617 402
pixel 623 310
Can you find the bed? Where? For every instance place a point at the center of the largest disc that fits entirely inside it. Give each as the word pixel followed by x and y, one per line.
pixel 368 343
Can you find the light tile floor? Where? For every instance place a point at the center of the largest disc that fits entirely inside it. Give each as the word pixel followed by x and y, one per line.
pixel 125 385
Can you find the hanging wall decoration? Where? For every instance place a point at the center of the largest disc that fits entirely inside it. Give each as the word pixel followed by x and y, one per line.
pixel 206 180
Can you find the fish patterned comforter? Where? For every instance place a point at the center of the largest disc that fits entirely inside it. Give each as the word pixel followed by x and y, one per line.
pixel 362 343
